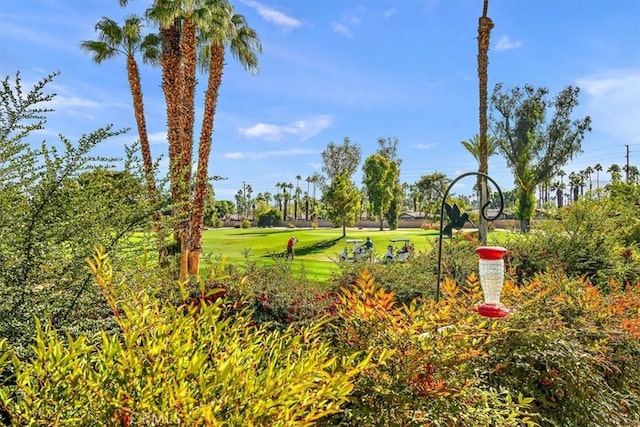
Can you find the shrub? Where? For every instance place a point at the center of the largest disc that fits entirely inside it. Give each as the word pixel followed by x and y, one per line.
pixel 269 218
pixel 429 380
pixel 178 364
pixel 216 222
pixel 591 239
pixel 55 207
pixel 275 295
pixel 246 223
pixel 570 347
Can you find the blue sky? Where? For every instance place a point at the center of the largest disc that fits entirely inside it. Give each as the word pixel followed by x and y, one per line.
pixel 365 69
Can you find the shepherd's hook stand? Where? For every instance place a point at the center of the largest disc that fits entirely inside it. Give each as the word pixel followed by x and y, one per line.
pixel 482 212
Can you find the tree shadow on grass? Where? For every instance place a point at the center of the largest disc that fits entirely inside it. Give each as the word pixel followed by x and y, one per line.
pixel 311 249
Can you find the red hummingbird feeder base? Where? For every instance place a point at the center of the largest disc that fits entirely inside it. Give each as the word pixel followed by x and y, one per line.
pixel 491 310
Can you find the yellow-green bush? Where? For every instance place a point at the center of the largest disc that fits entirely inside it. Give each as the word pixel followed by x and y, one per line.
pixel 430 379
pixel 177 364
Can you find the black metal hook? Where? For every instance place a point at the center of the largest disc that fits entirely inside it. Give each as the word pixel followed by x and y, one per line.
pixel 482 212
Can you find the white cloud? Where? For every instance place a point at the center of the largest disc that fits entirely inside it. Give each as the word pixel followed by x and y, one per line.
pixel 612 102
pixel 301 129
pixel 389 13
pixel 274 16
pixel 62 102
pixel 341 29
pixel 158 138
pixel 427 146
pixel 234 155
pixel 505 43
pixel 273 153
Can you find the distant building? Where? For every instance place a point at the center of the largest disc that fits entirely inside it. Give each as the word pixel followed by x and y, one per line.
pixel 238 217
pixel 410 215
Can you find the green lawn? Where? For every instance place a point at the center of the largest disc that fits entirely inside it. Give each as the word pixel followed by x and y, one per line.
pixel 316 251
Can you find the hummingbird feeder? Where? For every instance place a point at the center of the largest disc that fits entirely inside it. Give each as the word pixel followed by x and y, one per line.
pixel 491 268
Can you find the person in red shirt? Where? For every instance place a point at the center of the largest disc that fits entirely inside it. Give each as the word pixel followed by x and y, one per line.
pixel 292 241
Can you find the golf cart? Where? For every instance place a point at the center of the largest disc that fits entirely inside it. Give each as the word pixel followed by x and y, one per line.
pixel 359 251
pixel 399 250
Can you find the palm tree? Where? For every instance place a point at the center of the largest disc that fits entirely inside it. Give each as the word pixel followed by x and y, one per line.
pixel 634 174
pixel 223 28
pixel 278 200
pixel 615 172
pixel 588 174
pixel 559 187
pixel 128 40
pixel 296 197
pixel 183 24
pixel 306 207
pixel 281 186
pixel 267 197
pixel 473 147
pixel 574 183
pixel 286 197
pixel 598 169
pixel 315 179
pixel 484 32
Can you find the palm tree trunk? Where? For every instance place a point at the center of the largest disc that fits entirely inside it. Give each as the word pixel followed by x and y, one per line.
pixel 484 29
pixel 170 63
pixel 138 108
pixel 216 65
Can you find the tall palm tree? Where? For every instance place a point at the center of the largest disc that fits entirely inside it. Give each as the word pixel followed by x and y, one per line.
pixel 316 179
pixel 574 184
pixel 277 198
pixel 598 169
pixel 184 26
pixel 215 25
pixel 287 197
pixel 296 197
pixel 559 187
pixel 281 186
pixel 634 174
pixel 129 41
pixel 615 172
pixel 588 174
pixel 181 18
pixel 484 32
pixel 306 207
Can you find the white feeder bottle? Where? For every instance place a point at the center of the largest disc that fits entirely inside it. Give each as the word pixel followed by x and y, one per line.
pixel 491 269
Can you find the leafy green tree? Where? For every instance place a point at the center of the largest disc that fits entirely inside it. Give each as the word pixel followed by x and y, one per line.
pixel 536 148
pixel 224 208
pixel 269 217
pixel 340 159
pixel 342 200
pixel 393 213
pixel 381 175
pixel 431 188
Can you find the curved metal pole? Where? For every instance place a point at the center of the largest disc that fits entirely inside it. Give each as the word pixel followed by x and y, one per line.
pixel 482 212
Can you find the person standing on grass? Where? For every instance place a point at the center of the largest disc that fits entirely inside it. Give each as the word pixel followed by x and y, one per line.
pixel 292 241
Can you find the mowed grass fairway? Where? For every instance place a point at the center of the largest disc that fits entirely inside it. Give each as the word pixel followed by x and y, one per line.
pixel 316 253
